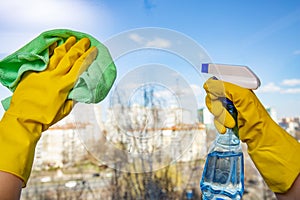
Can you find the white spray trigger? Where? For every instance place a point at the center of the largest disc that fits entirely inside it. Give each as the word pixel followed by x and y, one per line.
pixel 236 74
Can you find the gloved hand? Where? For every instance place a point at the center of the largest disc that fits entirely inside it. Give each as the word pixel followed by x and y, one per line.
pixel 39 101
pixel 274 152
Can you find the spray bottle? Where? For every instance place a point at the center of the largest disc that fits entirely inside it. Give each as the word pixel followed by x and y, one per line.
pixel 223 174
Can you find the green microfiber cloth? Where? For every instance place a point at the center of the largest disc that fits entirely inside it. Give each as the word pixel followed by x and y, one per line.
pixel 93 85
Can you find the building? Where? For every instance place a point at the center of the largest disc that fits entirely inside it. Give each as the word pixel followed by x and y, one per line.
pixel 291 125
pixel 58 147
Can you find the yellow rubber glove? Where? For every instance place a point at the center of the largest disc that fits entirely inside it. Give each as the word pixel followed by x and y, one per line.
pixel 38 102
pixel 274 152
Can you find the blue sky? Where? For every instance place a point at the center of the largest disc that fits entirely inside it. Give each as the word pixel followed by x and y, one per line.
pixel 262 34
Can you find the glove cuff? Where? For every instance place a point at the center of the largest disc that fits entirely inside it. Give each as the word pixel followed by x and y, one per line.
pixel 18 141
pixel 276 156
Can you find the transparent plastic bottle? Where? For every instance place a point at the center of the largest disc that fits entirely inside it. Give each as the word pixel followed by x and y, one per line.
pixel 223 174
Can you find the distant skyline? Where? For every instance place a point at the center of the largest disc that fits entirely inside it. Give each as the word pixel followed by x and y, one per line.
pixel 262 34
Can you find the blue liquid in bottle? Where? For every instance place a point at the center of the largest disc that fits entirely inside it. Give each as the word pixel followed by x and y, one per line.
pixel 223 174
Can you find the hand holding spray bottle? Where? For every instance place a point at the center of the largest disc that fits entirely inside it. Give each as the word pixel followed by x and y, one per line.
pixel 223 174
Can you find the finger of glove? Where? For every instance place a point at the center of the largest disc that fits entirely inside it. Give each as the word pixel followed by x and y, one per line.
pixel 220 88
pixel 240 97
pixel 60 52
pixel 82 63
pixel 216 107
pixel 75 52
pixel 215 88
pixel 64 110
pixel 219 126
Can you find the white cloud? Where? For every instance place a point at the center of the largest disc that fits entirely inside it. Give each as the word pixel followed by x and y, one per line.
pixel 291 91
pixel 269 88
pixel 291 82
pixel 157 42
pixel 136 38
pixel 273 88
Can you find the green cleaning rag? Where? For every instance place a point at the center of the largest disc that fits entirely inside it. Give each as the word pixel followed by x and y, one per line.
pixel 92 86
